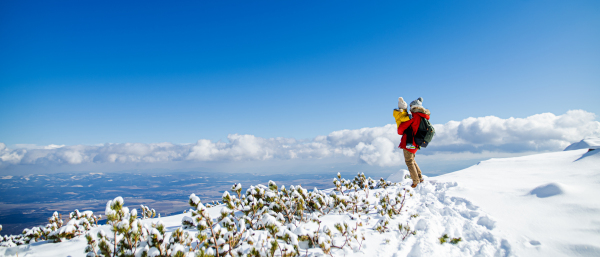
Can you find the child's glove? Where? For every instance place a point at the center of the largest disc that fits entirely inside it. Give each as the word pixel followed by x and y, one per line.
pixel 401 103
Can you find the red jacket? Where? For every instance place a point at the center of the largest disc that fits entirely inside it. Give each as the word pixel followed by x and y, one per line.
pixel 414 124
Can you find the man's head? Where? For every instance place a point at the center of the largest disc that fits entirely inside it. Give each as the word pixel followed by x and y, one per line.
pixel 418 102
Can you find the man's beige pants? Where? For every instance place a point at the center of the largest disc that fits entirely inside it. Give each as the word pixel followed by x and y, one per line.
pixel 413 168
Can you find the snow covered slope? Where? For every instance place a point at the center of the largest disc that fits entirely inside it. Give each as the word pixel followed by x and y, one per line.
pixel 543 205
pixel 588 143
pixel 539 205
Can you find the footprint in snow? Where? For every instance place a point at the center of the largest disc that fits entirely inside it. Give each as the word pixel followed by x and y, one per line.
pixel 547 190
pixel 486 222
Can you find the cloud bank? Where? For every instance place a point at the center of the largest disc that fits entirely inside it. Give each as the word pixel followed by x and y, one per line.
pixel 374 146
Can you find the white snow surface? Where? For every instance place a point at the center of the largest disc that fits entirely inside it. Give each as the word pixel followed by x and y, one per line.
pixel 539 205
pixel 543 205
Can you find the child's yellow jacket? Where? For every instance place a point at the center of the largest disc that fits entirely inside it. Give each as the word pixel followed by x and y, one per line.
pixel 401 116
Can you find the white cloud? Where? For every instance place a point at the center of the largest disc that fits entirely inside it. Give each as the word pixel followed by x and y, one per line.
pixel 380 152
pixel 373 146
pixel 11 156
pixel 32 146
pixel 540 132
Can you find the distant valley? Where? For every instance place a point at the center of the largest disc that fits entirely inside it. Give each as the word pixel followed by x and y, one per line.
pixel 27 201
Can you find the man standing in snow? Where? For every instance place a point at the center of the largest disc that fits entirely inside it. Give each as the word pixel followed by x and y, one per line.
pixel 408 129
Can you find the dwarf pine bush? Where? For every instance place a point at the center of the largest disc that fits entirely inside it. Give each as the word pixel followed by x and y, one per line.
pixel 147 213
pixel 261 221
pixel 56 230
pixel 269 218
pixel 78 224
pixel 129 236
pixel 445 239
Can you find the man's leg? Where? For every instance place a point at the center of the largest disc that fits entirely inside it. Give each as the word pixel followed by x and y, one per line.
pixel 409 158
pixel 418 171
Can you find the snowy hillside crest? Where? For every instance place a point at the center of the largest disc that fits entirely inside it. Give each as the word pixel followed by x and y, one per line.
pixel 590 143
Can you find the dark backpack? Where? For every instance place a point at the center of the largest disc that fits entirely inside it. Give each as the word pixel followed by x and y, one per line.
pixel 424 134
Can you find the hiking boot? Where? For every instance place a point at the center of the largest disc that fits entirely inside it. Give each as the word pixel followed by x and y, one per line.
pixel 422 181
pixel 413 185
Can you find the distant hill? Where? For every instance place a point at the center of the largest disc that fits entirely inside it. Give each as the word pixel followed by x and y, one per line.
pixel 588 143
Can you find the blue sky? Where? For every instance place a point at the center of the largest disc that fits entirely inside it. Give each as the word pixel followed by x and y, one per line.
pixel 92 72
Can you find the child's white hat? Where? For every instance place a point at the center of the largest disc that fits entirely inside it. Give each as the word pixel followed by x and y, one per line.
pixel 401 103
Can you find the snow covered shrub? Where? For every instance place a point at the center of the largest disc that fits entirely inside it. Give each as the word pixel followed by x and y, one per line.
pixel 78 224
pixel 12 240
pixel 7 241
pixel 34 234
pixel 212 204
pixel 162 244
pixel 445 238
pixel 55 231
pixel 125 227
pixel 405 231
pixel 392 206
pixel 269 220
pixel 359 182
pixel 264 227
pixel 147 213
pixel 382 225
pixel 350 233
pixel 130 237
